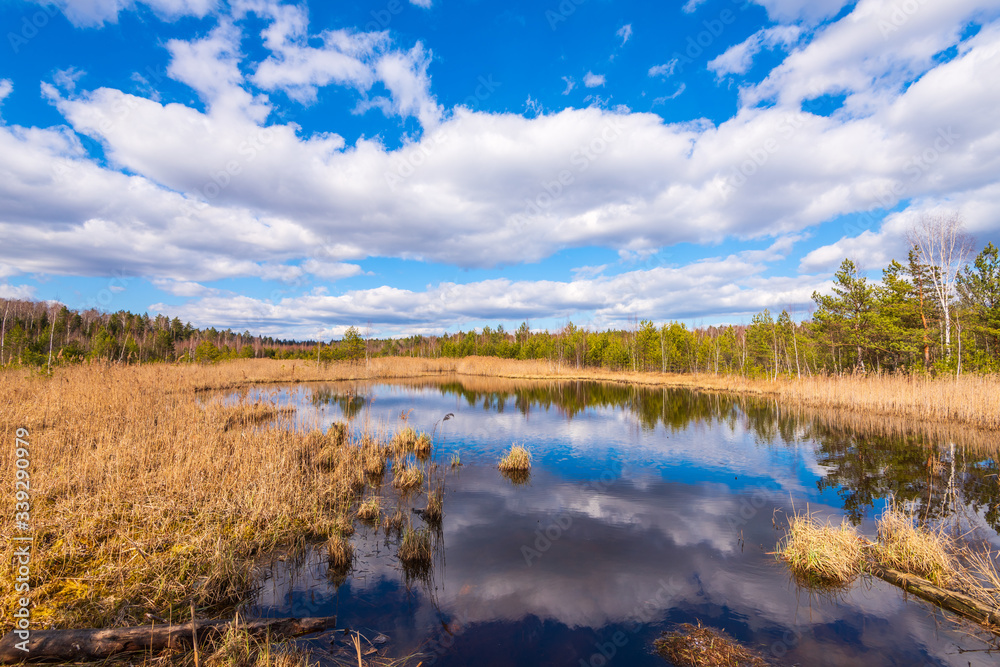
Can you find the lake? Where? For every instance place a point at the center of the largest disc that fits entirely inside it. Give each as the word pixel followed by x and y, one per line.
pixel 645 508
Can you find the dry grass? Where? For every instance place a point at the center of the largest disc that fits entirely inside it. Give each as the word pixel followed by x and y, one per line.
pixel 978 577
pixel 698 646
pixel 148 497
pixel 821 555
pixel 339 553
pixel 824 557
pixel 370 510
pixel 394 522
pixel 415 549
pixel 407 477
pixel 517 459
pixel 901 545
pixel 434 512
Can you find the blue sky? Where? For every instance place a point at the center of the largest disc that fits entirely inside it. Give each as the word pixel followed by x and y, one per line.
pixel 429 165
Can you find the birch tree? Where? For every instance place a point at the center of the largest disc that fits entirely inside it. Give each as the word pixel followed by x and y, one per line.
pixel 942 244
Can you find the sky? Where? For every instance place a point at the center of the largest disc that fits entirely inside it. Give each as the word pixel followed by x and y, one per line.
pixel 425 166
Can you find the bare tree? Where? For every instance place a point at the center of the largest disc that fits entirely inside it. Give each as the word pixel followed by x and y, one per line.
pixel 944 246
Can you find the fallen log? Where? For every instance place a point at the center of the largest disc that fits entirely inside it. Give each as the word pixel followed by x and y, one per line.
pixel 953 601
pixel 98 644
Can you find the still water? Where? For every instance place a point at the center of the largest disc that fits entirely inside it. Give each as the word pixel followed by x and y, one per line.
pixel 645 508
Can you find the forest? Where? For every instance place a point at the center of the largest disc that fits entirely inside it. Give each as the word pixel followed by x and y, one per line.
pixel 923 316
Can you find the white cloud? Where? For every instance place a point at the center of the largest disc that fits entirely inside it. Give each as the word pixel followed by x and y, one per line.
pixel 667 69
pixel 331 270
pixel 570 84
pixel 6 88
pixel 738 59
pixel 94 13
pixel 691 5
pixel 625 32
pixel 426 4
pixel 355 59
pixel 8 291
pixel 859 55
pixel 211 67
pixel 729 285
pixel 67 78
pixel 801 10
pixel 184 288
pixel 591 80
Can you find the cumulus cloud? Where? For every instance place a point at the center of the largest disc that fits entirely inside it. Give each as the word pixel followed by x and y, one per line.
pixel 591 80
pixel 570 84
pixel 347 58
pixel 738 59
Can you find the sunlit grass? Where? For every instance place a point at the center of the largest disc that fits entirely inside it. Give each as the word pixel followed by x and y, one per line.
pixel 517 459
pixel 821 554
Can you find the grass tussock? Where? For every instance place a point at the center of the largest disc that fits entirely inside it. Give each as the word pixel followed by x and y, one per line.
pixel 237 648
pixel 901 545
pixel 821 555
pixel 370 510
pixel 415 549
pixel 404 440
pixel 407 477
pixel 339 553
pixel 698 646
pixel 434 512
pixel 517 459
pixel 394 522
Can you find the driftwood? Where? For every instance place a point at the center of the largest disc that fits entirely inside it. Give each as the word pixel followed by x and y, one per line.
pixel 91 645
pixel 953 601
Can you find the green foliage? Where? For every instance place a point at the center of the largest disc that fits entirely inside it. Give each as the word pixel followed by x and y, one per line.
pixel 353 345
pixel 207 353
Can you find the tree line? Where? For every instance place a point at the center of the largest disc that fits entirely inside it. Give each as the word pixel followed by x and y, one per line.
pixel 936 313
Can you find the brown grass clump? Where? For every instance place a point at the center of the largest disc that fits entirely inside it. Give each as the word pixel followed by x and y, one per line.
pixel 370 510
pixel 245 414
pixel 422 445
pixel 434 511
pixel 394 522
pixel 339 553
pixel 404 439
pixel 338 433
pixel 415 548
pixel 517 459
pixel 698 646
pixel 821 555
pixel 979 577
pixel 407 477
pixel 903 546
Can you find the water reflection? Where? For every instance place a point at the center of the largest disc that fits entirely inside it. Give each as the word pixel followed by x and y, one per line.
pixel 645 508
